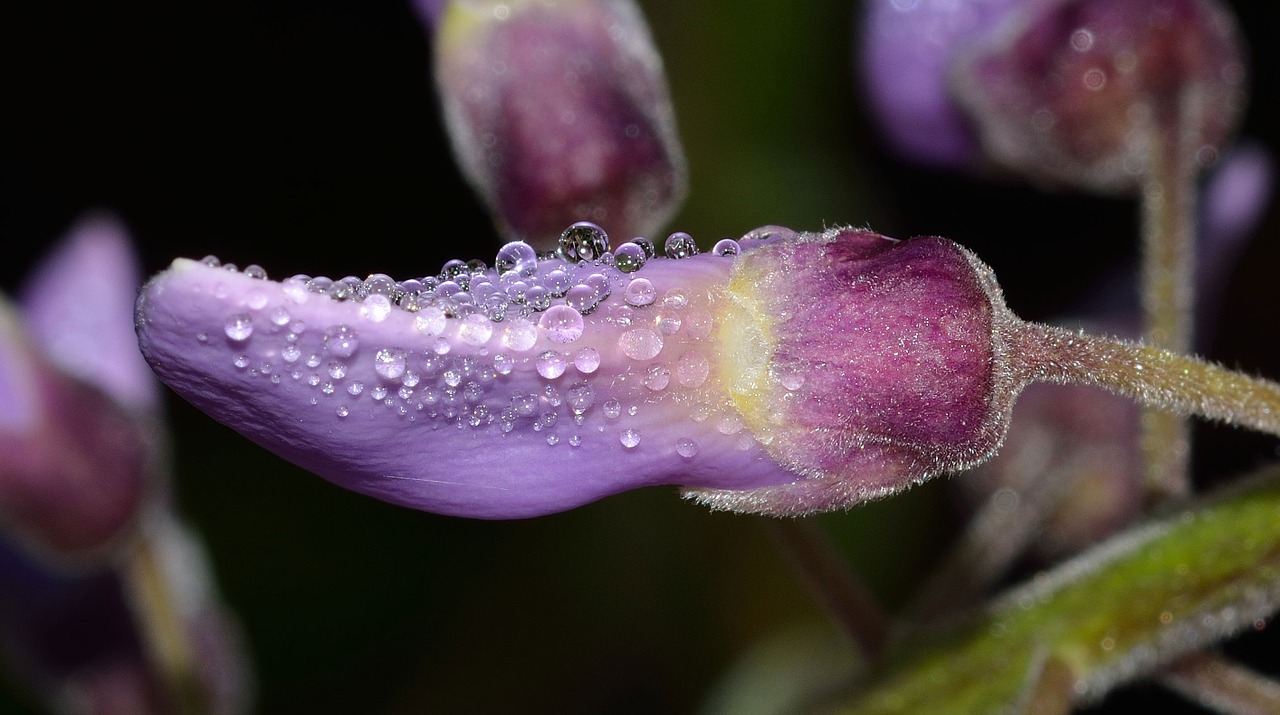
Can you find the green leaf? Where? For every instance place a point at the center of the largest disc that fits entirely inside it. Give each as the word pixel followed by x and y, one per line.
pixel 1112 614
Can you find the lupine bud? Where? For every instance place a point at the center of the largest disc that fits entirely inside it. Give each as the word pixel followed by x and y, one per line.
pixel 1075 90
pixel 76 401
pixel 559 111
pixel 798 373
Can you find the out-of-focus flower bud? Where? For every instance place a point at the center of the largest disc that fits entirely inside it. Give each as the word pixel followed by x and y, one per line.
pixel 1081 91
pixel 558 110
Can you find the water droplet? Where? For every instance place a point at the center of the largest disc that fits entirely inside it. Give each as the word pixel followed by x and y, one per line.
pixel 629 438
pixel 612 409
pixel 640 343
pixel 430 320
pixel 290 353
pixel 503 364
pixel 726 247
pixel 640 292
pixel 600 285
pixel 679 245
pixel 239 327
pixel 692 369
pixel 587 360
pixel 476 329
pixel 557 283
pixel 657 377
pixel 583 241
pixel 646 245
pixel 551 364
pixel 441 346
pixel 524 405
pixel 202 337
pixel 343 411
pixel 729 423
pixel 562 324
pixel 520 334
pixel 452 269
pixel 241 361
pixel 668 322
pixel 337 370
pixel 553 440
pixel 257 300
pixel 341 341
pixel 580 397
pixel 313 360
pixel 410 379
pixel 390 363
pixel 376 308
pixel 686 447
pixel 575 440
pixel 295 290
pixel 629 257
pixel 211 261
pixel 378 393
pixel 675 298
pixel 280 317
pixel 355 388
pixel 582 298
pixel 517 256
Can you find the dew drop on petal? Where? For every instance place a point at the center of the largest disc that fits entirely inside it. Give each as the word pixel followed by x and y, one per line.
pixel 291 353
pixel 612 409
pixel 524 405
pixel 640 343
pixel 551 364
pixel 257 299
pixel 241 361
pixel 517 256
pixel 583 241
pixel 341 341
pixel 519 334
pixel 582 298
pixel 562 324
pixel 390 363
pixel 640 292
pixel 657 377
pixel 503 364
pixel 239 327
pixel 475 329
pixel 668 322
pixel 337 370
pixel 376 308
pixel 629 438
pixel 343 411
pixel 355 388
pixel 726 247
pixel 679 245
pixel 629 257
pixel 280 317
pixel 430 320
pixel 686 447
pixel 692 369
pixel 580 397
pixel 587 360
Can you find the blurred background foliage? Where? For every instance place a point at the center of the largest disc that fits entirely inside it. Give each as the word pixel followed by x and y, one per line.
pixel 304 136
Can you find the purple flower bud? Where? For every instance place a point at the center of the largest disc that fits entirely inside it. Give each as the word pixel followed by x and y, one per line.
pixel 905 60
pixel 559 111
pixel 74 475
pixel 804 373
pixel 1075 91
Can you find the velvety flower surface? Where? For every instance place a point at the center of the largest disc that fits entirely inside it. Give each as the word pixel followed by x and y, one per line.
pixel 786 374
pixel 558 111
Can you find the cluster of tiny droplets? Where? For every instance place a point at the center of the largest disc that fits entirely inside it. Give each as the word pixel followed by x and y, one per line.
pixel 524 296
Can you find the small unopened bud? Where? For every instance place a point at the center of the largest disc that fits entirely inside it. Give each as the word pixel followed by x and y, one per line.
pixel 1076 91
pixel 559 111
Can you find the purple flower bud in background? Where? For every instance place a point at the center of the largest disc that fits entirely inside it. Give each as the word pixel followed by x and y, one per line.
pixel 1074 91
pixel 559 111
pixel 76 403
pixel 75 640
pixel 905 58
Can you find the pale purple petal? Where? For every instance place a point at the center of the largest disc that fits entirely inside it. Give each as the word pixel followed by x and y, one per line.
pixel 532 414
pixel 78 305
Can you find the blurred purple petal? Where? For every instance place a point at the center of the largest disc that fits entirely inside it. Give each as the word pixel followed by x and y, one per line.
pixel 78 305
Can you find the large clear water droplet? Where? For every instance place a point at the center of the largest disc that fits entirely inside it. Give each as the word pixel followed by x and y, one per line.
pixel 475 329
pixel 341 341
pixel 629 257
pixel 680 245
pixel 587 360
pixel 390 363
pixel 562 324
pixel 517 256
pixel 726 247
pixel 520 334
pixel 551 364
pixel 239 327
pixel 686 447
pixel 640 343
pixel 640 292
pixel 629 439
pixel 583 241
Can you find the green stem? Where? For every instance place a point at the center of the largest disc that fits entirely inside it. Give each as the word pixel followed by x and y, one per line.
pixel 1155 378
pixel 160 620
pixel 1222 685
pixel 816 562
pixel 1168 265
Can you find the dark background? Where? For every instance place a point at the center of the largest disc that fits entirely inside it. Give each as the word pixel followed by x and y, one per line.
pixel 304 136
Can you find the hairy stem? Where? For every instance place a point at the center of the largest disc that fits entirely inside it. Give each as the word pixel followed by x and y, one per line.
pixel 1224 686
pixel 1168 294
pixel 1155 378
pixel 160 620
pixel 827 576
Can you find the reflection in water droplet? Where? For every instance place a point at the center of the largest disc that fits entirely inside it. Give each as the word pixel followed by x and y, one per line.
pixel 587 360
pixel 612 409
pixel 551 364
pixel 640 343
pixel 580 397
pixel 692 369
pixel 629 438
pixel 520 334
pixel 726 247
pixel 475 329
pixel 429 320
pixel 376 308
pixel 657 377
pixel 686 447
pixel 390 363
pixel 583 241
pixel 517 256
pixel 239 327
pixel 640 292
pixel 629 257
pixel 679 245
pixel 562 323
pixel 341 341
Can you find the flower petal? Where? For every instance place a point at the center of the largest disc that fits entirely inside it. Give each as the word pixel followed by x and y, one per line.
pixel 440 407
